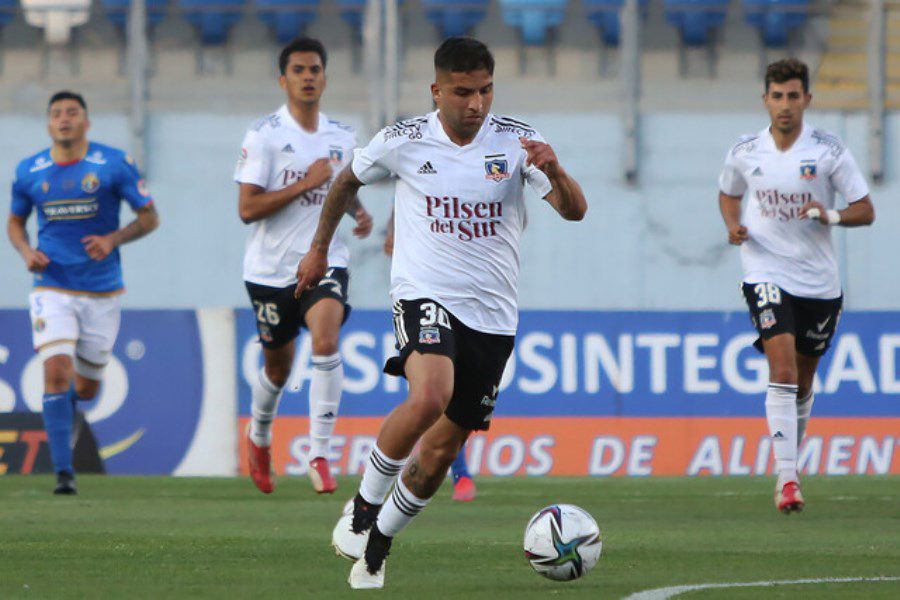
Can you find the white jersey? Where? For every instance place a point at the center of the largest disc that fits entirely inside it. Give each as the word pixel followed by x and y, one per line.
pixel 275 154
pixel 459 212
pixel 794 254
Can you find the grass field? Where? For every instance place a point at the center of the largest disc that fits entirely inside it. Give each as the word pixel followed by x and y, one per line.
pixel 208 538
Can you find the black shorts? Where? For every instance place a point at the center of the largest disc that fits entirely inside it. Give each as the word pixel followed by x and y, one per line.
pixel 478 358
pixel 279 316
pixel 773 311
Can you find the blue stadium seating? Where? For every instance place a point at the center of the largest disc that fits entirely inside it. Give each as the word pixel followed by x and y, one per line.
pixel 696 19
pixel 353 12
pixel 534 18
pixel 212 18
pixel 774 18
pixel 117 11
pixel 606 17
pixel 287 18
pixel 455 17
pixel 7 11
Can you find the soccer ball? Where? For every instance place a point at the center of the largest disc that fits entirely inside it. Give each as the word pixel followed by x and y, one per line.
pixel 562 542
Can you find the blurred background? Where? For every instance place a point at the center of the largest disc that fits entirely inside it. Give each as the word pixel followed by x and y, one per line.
pixel 641 100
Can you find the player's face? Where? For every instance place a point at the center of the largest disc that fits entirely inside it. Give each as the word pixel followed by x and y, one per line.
pixel 464 99
pixel 67 122
pixel 786 103
pixel 304 77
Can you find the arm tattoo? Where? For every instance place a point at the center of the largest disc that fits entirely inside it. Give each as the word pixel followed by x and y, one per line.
pixel 136 229
pixel 337 203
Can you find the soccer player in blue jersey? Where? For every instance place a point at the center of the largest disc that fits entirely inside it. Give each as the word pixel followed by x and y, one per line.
pixel 75 187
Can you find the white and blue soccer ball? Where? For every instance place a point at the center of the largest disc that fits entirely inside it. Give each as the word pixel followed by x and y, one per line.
pixel 562 542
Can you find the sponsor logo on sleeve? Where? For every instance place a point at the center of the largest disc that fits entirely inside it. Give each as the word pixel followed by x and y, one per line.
pixel 142 188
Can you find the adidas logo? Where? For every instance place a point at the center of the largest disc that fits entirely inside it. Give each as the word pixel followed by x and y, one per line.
pixel 757 172
pixel 288 149
pixel 328 415
pixel 778 436
pixel 427 169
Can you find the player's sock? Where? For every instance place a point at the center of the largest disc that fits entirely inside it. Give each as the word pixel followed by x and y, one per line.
pixel 381 472
pixel 781 413
pixel 400 509
pixel 58 413
pixel 264 406
pixel 324 398
pixel 804 409
pixel 459 467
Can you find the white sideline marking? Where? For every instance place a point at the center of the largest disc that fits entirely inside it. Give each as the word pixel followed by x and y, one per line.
pixel 670 592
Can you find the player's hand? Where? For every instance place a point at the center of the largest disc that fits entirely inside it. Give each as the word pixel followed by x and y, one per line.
pixel 541 155
pixel 363 223
pixel 98 247
pixel 318 174
pixel 389 240
pixel 737 235
pixel 35 260
pixel 310 271
pixel 823 212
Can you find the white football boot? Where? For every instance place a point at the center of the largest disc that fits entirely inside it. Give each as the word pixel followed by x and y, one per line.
pixel 347 544
pixel 361 579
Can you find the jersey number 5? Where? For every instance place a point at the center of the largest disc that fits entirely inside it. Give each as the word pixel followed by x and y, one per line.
pixel 768 293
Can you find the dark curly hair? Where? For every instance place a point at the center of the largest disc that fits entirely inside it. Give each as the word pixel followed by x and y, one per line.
pixel 786 69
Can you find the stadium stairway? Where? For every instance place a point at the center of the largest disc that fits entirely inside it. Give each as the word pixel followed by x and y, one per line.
pixel 842 79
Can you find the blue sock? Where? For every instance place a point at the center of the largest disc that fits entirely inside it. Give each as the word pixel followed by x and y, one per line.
pixel 58 413
pixel 459 468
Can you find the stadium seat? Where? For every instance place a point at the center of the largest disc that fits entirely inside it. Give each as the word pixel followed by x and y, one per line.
pixel 353 12
pixel 212 19
pixel 56 17
pixel 775 18
pixel 606 17
pixel 455 17
pixel 696 19
pixel 535 19
pixel 287 18
pixel 117 12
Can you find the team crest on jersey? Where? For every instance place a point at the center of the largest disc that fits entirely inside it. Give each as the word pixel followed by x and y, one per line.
pixel 45 186
pixel 90 183
pixel 335 154
pixel 807 170
pixel 265 332
pixel 767 319
pixel 429 335
pixel 496 167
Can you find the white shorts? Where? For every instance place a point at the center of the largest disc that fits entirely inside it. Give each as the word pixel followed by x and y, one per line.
pixel 91 323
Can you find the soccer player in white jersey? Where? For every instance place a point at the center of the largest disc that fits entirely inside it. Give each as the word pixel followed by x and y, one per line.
pixel 789 173
pixel 459 212
pixel 284 172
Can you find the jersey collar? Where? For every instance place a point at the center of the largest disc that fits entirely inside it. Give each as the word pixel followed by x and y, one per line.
pixel 69 163
pixel 769 140
pixel 289 120
pixel 437 130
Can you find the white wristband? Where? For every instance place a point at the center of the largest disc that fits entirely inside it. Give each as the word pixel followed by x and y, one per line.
pixel 831 215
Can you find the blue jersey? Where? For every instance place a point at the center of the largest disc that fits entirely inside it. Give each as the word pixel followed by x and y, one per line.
pixel 74 200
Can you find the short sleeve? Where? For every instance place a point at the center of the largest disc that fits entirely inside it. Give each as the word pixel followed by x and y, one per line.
pixel 534 177
pixel 254 163
pixel 731 179
pixel 132 186
pixel 21 204
pixel 376 161
pixel 847 179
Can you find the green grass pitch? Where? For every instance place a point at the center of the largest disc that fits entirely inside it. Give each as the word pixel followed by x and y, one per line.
pixel 162 537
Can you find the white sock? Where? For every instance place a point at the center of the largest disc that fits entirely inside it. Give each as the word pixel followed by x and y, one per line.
pixel 263 408
pixel 804 409
pixel 379 476
pixel 325 389
pixel 399 511
pixel 781 413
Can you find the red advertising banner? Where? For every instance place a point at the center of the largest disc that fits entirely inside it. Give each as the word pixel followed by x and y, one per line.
pixel 610 446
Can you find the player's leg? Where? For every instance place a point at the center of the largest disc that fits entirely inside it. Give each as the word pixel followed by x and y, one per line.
pixel 463 485
pixel 54 333
pixel 806 372
pixel 421 479
pixel 324 319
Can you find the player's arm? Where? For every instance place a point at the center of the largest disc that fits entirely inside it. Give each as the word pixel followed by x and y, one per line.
pixel 566 195
pixel 35 260
pixel 857 214
pixel 730 207
pixel 99 247
pixel 340 197
pixel 255 203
